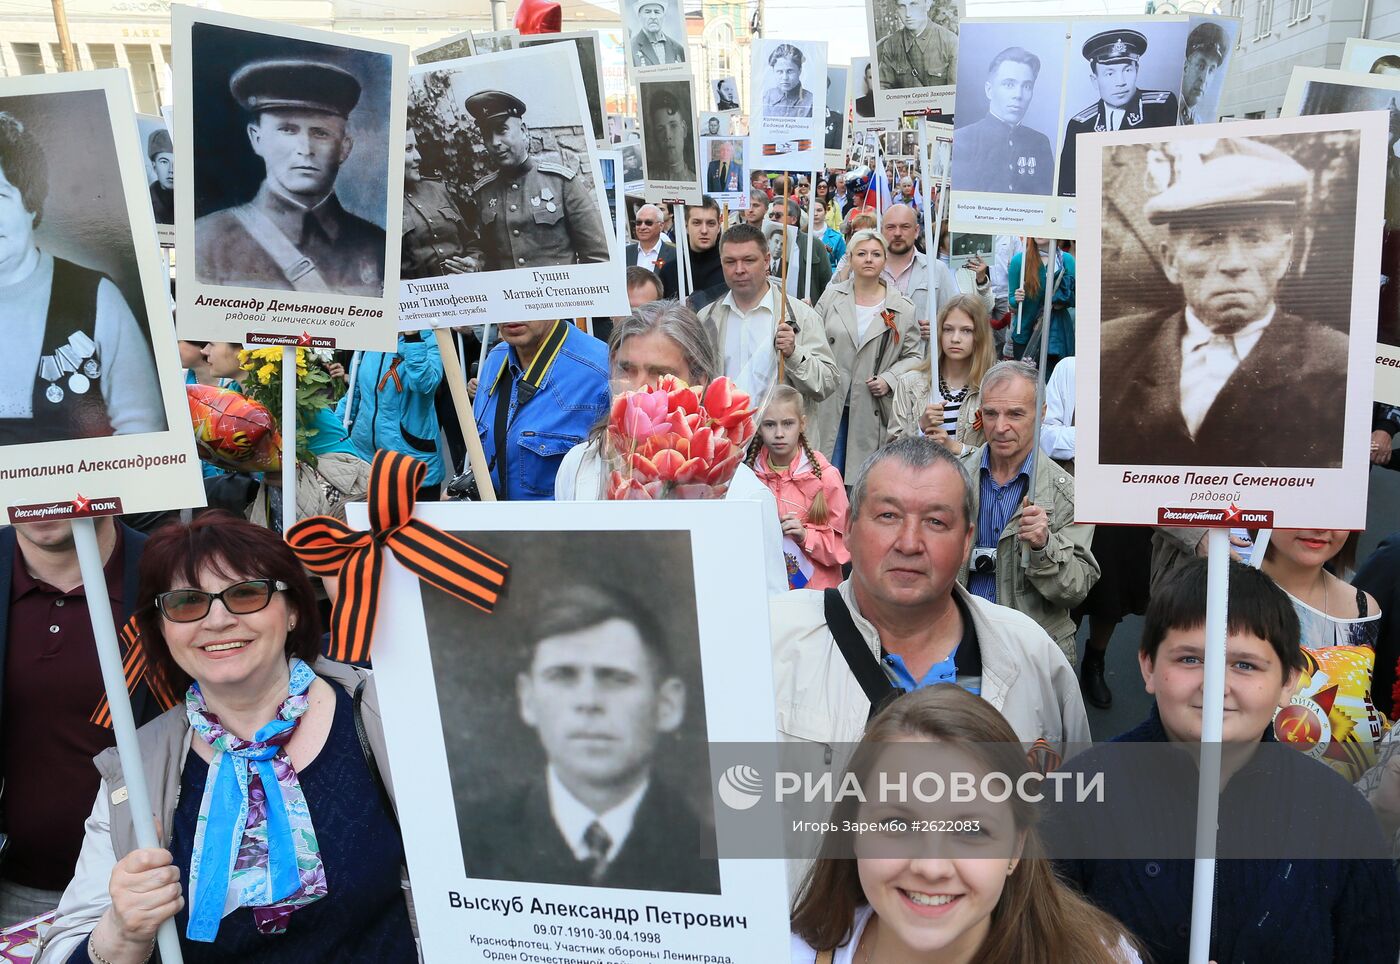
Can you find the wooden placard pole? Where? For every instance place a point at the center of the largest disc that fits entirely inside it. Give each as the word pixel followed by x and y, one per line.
pixel 289 437
pixel 466 418
pixel 811 233
pixel 783 270
pixel 1049 295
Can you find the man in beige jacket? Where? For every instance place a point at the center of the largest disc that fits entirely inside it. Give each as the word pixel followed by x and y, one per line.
pixel 911 527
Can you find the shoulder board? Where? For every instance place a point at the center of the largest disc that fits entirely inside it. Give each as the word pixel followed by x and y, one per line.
pixel 554 167
pixel 1087 114
pixel 483 181
pixel 1155 96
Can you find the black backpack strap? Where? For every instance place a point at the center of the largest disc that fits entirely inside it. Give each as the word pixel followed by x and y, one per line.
pixel 862 662
pixel 356 701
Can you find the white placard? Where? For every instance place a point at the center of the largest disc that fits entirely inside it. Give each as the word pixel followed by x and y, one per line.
pixel 915 48
pixel 670 147
pixel 786 116
pixel 726 178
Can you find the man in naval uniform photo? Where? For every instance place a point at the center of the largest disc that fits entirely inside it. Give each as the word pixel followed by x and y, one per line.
pixel 1113 57
pixel 294 234
pixel 1004 156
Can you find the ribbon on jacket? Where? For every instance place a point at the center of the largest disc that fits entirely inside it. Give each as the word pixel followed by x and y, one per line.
pixel 136 668
pixel 328 547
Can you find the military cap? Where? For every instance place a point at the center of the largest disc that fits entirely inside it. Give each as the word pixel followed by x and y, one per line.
pixel 1115 47
pixel 1237 173
pixel 159 143
pixel 488 106
pixel 664 100
pixel 1208 38
pixel 643 4
pixel 295 85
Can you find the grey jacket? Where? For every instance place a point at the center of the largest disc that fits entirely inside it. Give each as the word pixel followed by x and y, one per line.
pixel 111 835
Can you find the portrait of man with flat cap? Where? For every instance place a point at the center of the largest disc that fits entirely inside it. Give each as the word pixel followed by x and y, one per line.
pixel 651 45
pixel 294 233
pixel 161 154
pixel 532 211
pixel 667 134
pixel 1206 378
pixel 1206 48
pixel 1114 57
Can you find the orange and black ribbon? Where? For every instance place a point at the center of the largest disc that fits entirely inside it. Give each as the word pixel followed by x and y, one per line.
pixel 135 667
pixel 328 547
pixel 786 147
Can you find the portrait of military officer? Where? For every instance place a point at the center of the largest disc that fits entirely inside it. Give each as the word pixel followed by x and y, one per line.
pixel 435 235
pixel 785 96
pixel 919 52
pixel 650 45
pixel 1206 378
pixel 670 142
pixel 726 94
pixel 725 173
pixel 294 234
pixel 162 155
pixel 600 689
pixel 865 101
pixel 712 126
pixel 1114 56
pixel 1001 154
pixel 532 212
pixel 1206 46
pixel 835 127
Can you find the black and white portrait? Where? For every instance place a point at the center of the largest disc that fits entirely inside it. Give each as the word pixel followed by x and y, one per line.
pixel 290 165
pixel 837 79
pixel 668 135
pixel 915 44
pixel 453 48
pixel 716 125
pixel 159 155
pixel 494 41
pixel 507 142
pixel 1208 47
pixel 1254 241
pixel 726 91
pixel 787 88
pixel 1119 78
pixel 574 716
pixel 590 64
pixel 655 34
pixel 1007 108
pixel 862 88
pixel 633 169
pixel 79 362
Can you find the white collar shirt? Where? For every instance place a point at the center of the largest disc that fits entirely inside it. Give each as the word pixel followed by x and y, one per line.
pixel 1208 360
pixel 573 818
pixel 647 259
pixel 749 357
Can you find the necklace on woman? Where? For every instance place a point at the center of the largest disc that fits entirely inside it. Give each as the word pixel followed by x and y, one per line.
pixel 951 396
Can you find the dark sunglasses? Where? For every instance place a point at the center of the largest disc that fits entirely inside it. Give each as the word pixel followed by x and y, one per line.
pixel 645 223
pixel 240 599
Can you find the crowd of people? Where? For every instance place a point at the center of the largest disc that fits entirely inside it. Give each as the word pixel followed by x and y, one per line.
pixel 901 468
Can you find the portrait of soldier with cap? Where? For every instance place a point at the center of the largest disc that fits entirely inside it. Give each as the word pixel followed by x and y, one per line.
pixel 161 154
pixel 1000 153
pixel 668 138
pixel 294 234
pixel 918 52
pixel 1207 378
pixel 531 212
pixel 651 45
pixel 1114 57
pixel 1206 47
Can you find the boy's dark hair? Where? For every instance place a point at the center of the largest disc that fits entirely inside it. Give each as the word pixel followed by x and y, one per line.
pixel 1257 606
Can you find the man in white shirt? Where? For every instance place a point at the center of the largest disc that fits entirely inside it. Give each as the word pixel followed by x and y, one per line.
pixel 650 251
pixel 601 690
pixel 908 269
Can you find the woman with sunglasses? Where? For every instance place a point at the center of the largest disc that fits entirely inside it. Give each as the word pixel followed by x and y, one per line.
pixel 279 841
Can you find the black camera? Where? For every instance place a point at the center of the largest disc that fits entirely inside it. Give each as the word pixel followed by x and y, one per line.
pixel 984 559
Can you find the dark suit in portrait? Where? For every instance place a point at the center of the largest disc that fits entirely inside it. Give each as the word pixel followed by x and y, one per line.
pixel 514 837
pixel 730 180
pixel 664 266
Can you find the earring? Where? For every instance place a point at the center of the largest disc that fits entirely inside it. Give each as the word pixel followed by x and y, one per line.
pixel 291 625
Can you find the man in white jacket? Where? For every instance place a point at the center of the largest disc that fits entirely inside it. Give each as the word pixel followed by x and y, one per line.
pixel 911 527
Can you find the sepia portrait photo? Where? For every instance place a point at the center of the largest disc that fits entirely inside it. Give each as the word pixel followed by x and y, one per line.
pixel 454 47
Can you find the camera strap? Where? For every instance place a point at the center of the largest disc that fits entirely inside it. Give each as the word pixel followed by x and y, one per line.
pixel 864 665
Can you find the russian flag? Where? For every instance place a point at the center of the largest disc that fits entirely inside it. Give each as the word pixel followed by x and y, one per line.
pixel 799 567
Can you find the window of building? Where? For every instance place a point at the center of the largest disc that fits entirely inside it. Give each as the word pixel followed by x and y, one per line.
pixel 103 56
pixel 165 54
pixel 144 82
pixel 29 59
pixel 1300 10
pixel 1265 23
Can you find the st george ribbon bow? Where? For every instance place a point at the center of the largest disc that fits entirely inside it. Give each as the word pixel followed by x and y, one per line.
pixel 328 547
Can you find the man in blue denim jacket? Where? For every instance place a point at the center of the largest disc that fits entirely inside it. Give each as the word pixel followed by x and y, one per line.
pixel 554 380
pixel 392 407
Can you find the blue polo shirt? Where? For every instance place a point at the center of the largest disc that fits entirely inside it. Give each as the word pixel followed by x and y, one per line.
pixel 996 504
pixel 962 666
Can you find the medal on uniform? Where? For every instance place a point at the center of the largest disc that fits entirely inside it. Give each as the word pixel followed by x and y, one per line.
pixel 78 383
pixel 535 200
pixel 1020 165
pixel 91 369
pixel 49 372
pixel 549 204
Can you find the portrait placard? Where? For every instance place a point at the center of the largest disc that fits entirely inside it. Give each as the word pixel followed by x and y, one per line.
pixel 158 152
pixel 610 169
pixel 671 149
pixel 862 95
pixel 786 119
pixel 717 124
pixel 838 82
pixel 455 47
pixel 655 37
pixel 726 178
pixel 726 95
pixel 1263 238
pixel 1370 56
pixel 93 413
pixel 915 45
pixel 1313 91
pixel 582 693
pixel 634 177
pixel 292 139
pixel 590 62
pixel 504 143
pixel 1027 88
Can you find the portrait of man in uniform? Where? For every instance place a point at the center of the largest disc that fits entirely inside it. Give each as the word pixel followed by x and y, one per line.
pixel 725 174
pixel 294 234
pixel 651 45
pixel 600 688
pixel 668 137
pixel 1205 378
pixel 918 52
pixel 532 211
pixel 835 127
pixel 865 100
pixel 999 153
pixel 785 95
pixel 1206 47
pixel 1114 57
pixel 161 153
pixel 726 94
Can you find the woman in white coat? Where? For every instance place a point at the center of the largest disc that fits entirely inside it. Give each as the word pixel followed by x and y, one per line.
pixel 874 336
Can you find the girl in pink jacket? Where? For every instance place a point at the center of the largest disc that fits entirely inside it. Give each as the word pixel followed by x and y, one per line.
pixel 811 496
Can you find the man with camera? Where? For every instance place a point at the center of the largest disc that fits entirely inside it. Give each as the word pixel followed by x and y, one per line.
pixel 1061 569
